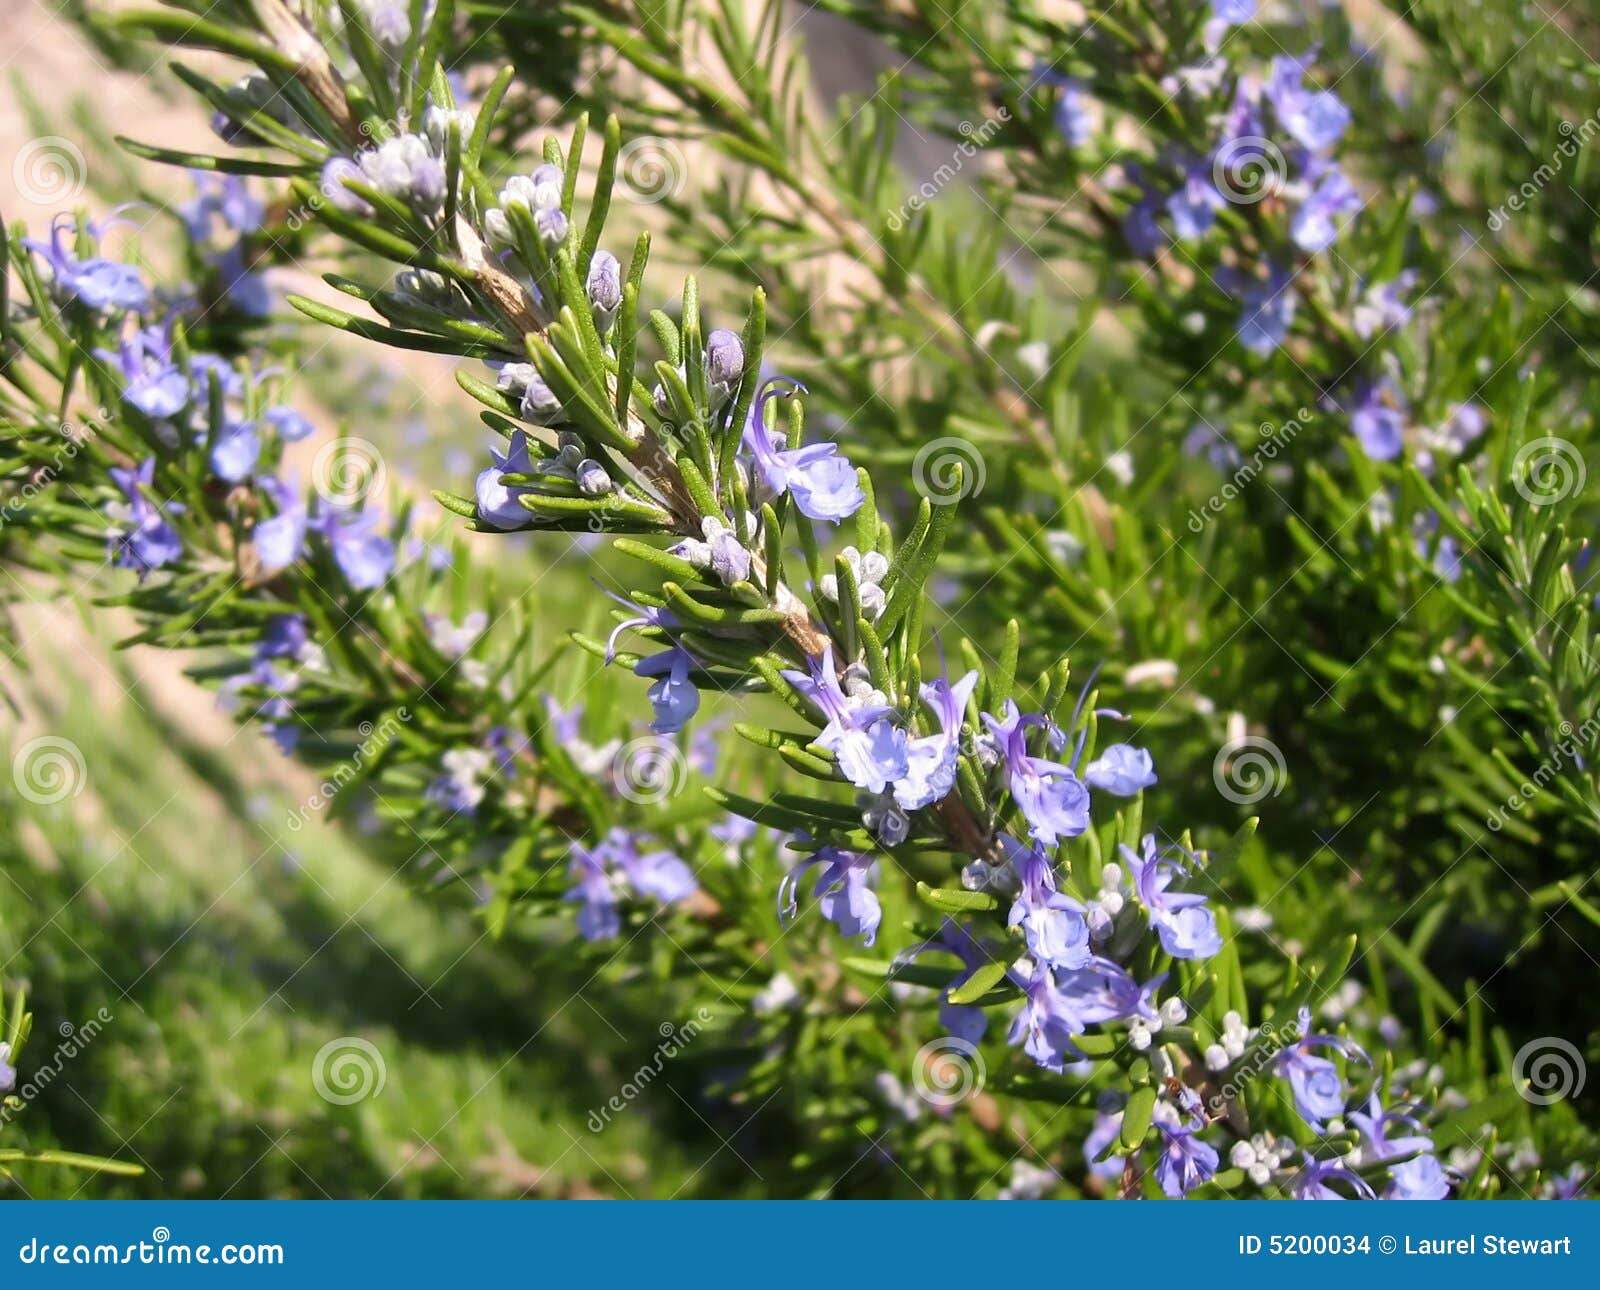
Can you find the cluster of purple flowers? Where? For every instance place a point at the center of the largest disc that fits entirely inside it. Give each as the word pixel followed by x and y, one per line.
pixel 173 392
pixel 226 200
pixel 601 875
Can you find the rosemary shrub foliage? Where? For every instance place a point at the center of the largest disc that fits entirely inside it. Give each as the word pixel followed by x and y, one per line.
pixel 953 801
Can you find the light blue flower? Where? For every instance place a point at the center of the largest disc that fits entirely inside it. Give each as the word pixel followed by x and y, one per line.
pixel 841 891
pixel 1051 798
pixel 1122 770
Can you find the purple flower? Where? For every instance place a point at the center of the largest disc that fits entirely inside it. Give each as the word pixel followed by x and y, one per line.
pixel 1381 307
pixel 1052 924
pixel 243 286
pixel 284 637
pixel 598 872
pixel 673 696
pixel 1139 226
pixel 841 891
pixel 332 185
pixel 1315 1082
pixel 1121 769
pixel 1186 928
pixel 1314 225
pixel 281 539
pixel 1103 1135
pixel 658 874
pixel 459 787
pixel 964 1021
pixel 1378 419
pixel 142 538
pixel 645 616
pixel 152 382
pixel 1060 1005
pixel 823 484
pixel 1072 115
pixel 1316 118
pixel 203 367
pixel 870 750
pixel 290 425
pixel 97 282
pixel 1311 1182
pixel 1419 1178
pixel 235 451
pixel 1193 206
pixel 497 503
pixel 8 1072
pixel 598 919
pixel 364 556
pixel 1051 798
pixel 931 759
pixel 1186 1161
pixel 1268 307
pixel 227 196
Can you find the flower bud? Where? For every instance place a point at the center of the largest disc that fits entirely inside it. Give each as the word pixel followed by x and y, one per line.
pixel 592 478
pixel 604 287
pixel 724 361
pixel 552 225
pixel 497 228
pixel 389 23
pixel 332 185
